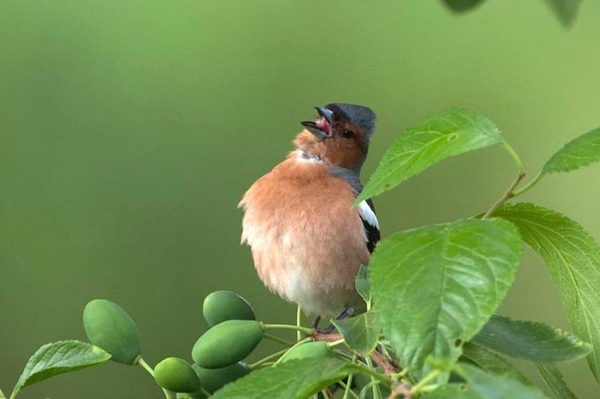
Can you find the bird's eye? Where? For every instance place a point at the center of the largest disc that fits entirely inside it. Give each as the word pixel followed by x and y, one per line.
pixel 348 134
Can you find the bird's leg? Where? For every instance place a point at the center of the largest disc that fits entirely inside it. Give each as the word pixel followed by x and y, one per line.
pixel 315 323
pixel 349 311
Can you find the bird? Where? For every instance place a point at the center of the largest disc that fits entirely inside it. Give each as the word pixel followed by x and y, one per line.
pixel 306 238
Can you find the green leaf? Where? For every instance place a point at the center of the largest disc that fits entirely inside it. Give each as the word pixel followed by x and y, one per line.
pixel 58 358
pixel 361 333
pixel 573 260
pixel 2 395
pixel 582 151
pixel 553 377
pixel 435 287
pixel 370 388
pixel 293 379
pixel 363 283
pixel 452 391
pixel 491 386
pixel 490 361
pixel 565 10
pixel 530 340
pixel 448 133
pixel 460 6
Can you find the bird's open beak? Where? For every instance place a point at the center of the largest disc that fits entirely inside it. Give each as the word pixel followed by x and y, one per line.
pixel 321 127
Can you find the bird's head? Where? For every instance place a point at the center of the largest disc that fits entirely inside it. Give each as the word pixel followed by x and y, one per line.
pixel 340 135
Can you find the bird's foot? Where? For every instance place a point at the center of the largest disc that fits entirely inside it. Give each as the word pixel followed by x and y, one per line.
pixel 325 330
pixel 347 312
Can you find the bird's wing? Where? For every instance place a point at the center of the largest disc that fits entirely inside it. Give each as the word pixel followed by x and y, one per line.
pixel 366 211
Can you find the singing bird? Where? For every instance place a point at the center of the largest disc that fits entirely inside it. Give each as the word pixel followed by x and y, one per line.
pixel 307 240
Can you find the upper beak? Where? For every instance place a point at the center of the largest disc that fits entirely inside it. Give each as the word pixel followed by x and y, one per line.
pixel 321 128
pixel 325 113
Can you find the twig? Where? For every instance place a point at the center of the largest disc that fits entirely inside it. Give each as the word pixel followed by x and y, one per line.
pixel 401 389
pixel 317 336
pixel 506 196
pixel 383 362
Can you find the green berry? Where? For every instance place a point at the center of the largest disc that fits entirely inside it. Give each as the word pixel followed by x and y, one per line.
pixel 108 326
pixel 226 305
pixel 176 375
pixel 227 343
pixel 308 350
pixel 214 379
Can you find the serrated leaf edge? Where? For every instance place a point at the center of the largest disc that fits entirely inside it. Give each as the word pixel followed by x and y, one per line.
pixel 30 371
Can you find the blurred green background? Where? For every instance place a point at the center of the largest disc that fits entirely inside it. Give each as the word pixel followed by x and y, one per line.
pixel 131 129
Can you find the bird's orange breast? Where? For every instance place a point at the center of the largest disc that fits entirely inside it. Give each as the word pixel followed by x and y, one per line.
pixel 307 242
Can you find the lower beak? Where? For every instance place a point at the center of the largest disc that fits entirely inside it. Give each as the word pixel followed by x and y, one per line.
pixel 321 128
pixel 312 127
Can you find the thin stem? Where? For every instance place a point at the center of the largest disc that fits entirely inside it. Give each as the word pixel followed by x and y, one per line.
pixel 369 385
pixel 298 322
pixel 267 359
pixel 506 196
pixel 429 377
pixel 305 330
pixel 375 386
pixel 146 366
pixel 277 339
pixel 429 388
pixel 335 343
pixel 510 192
pixel 514 156
pixel 347 390
pixel 529 185
pixel 384 350
pixel 347 386
pixel 402 372
pixel 345 356
pixel 371 371
pixel 307 339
